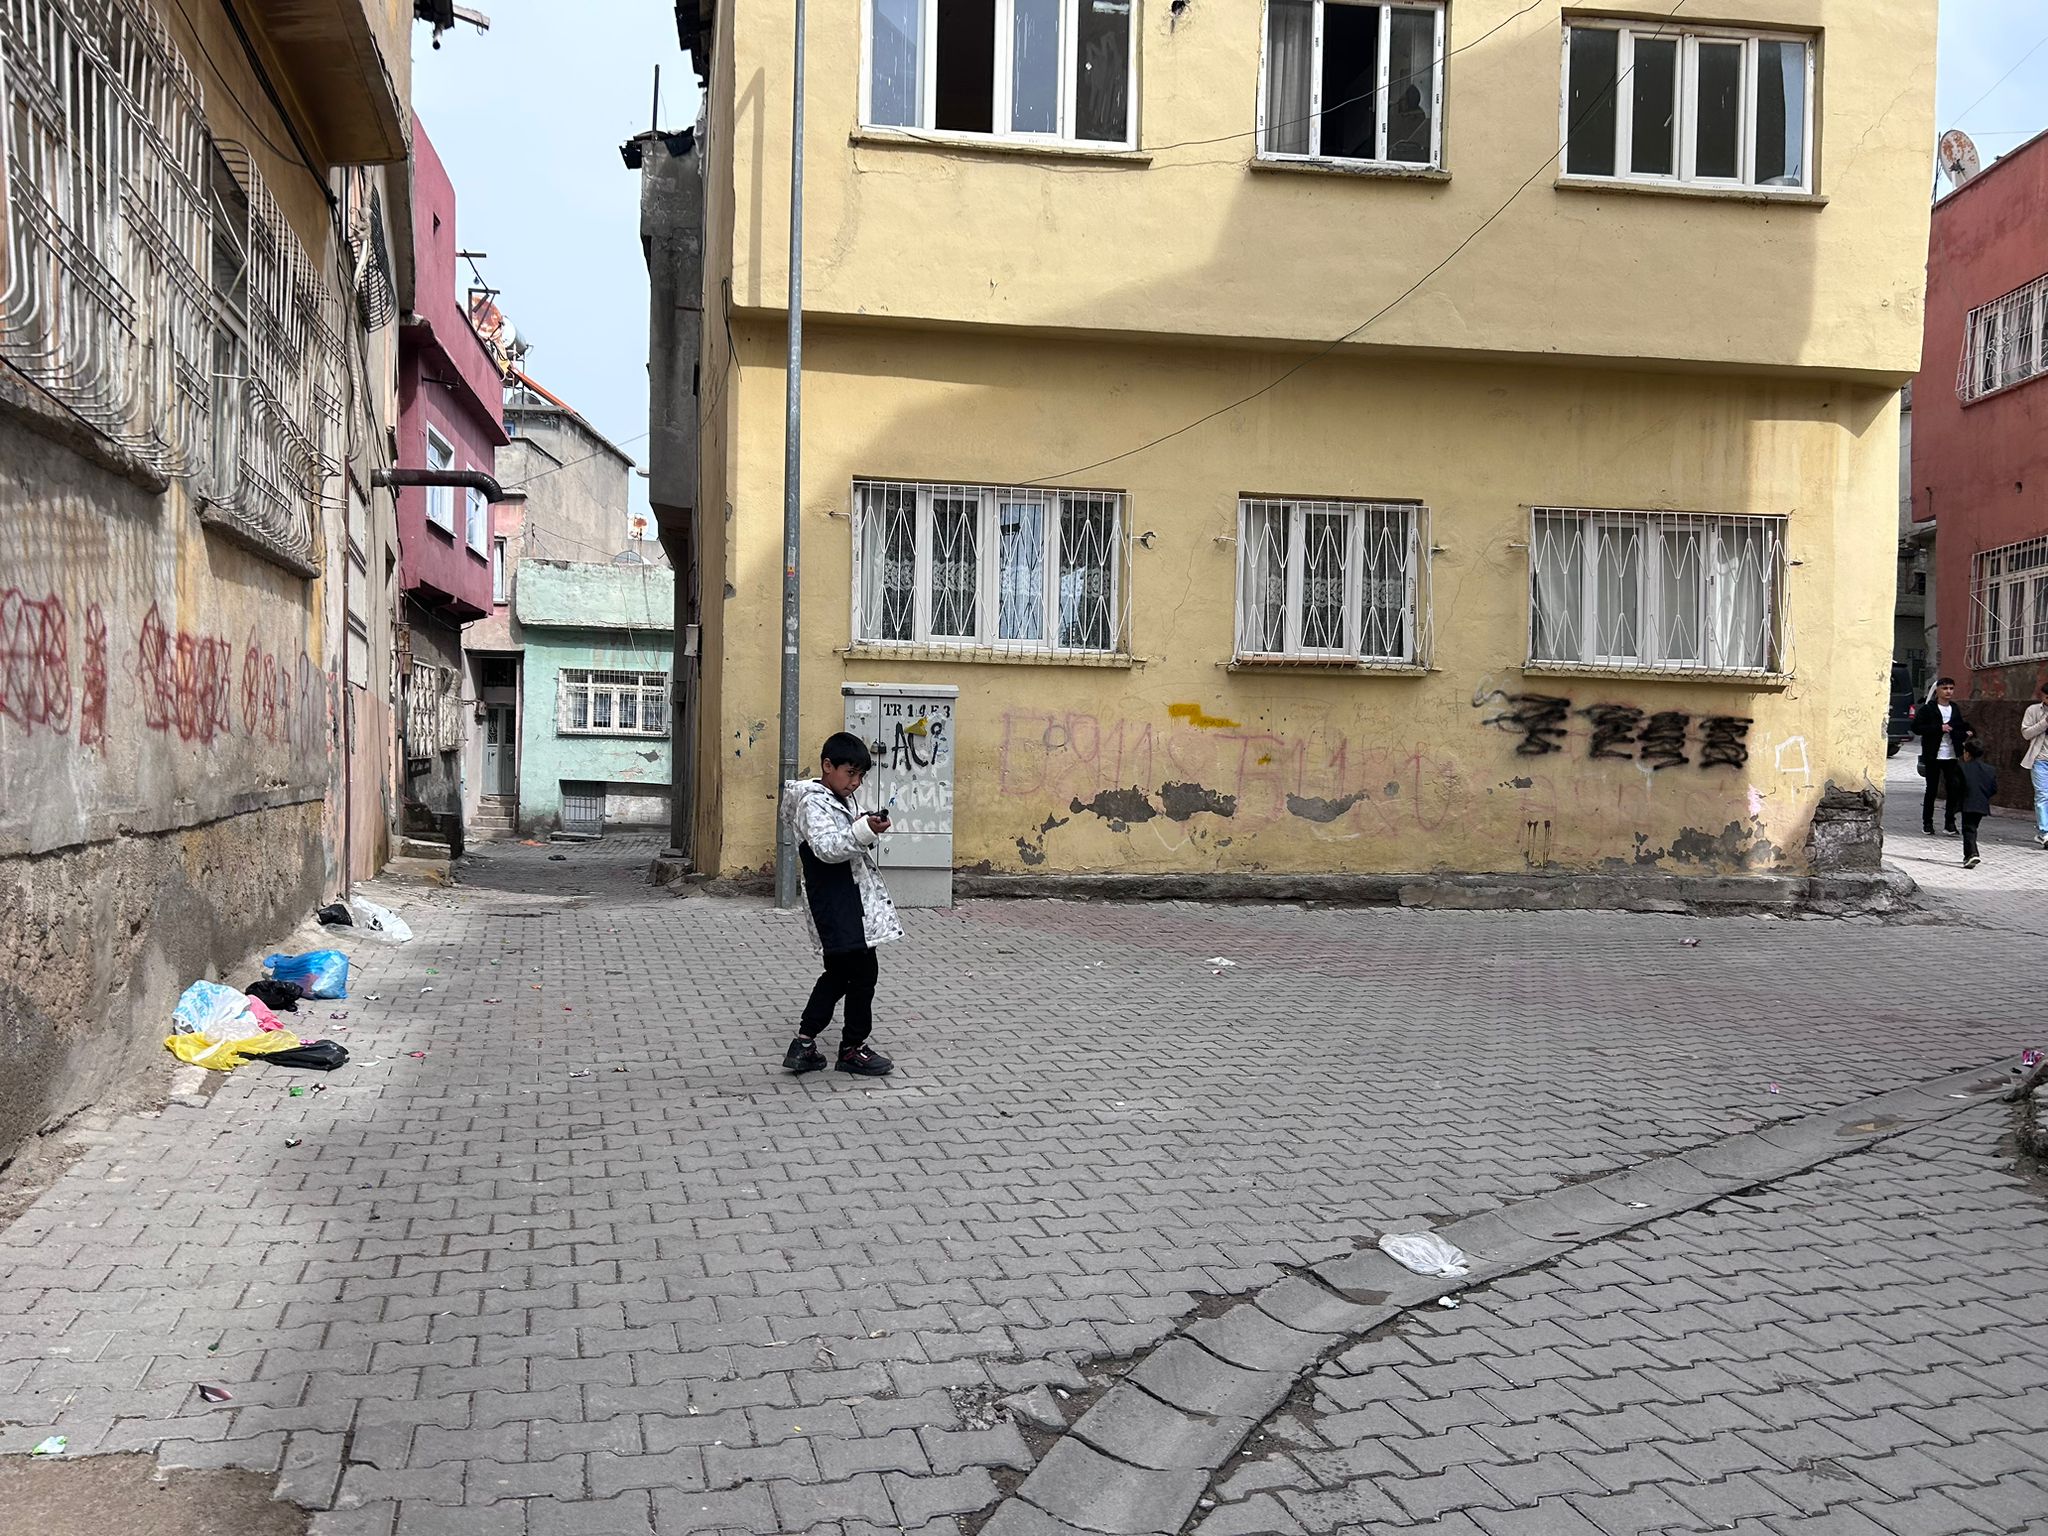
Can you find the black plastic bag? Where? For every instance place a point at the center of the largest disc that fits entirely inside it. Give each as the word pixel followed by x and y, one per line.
pixel 277 996
pixel 320 1056
pixel 336 915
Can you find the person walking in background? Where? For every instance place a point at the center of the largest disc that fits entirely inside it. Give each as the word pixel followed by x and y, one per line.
pixel 1941 729
pixel 1980 783
pixel 2034 727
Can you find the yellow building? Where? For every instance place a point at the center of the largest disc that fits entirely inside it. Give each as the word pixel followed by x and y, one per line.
pixel 1320 437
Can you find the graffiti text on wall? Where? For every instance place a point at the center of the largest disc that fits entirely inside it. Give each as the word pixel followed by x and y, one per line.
pixel 1620 732
pixel 35 661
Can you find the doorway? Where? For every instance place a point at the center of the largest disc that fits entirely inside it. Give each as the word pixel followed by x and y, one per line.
pixel 501 751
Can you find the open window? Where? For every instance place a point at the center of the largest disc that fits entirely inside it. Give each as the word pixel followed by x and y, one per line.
pixel 1354 82
pixel 1056 71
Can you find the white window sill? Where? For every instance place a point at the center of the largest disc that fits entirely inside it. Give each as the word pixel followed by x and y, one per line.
pixel 986 655
pixel 990 144
pixel 1703 191
pixel 1761 681
pixel 1363 170
pixel 567 730
pixel 1334 664
pixel 2003 389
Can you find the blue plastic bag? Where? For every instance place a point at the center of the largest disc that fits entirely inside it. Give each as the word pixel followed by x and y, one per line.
pixel 322 972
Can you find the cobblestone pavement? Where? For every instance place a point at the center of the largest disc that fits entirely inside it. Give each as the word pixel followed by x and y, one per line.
pixel 592 1263
pixel 1855 1350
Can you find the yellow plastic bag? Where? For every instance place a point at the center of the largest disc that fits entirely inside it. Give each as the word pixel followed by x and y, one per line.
pixel 226 1055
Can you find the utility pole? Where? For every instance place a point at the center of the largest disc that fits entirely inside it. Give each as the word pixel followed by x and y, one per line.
pixel 786 874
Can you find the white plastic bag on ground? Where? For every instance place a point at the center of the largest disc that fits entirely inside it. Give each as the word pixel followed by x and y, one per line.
pixel 1425 1253
pixel 380 922
pixel 208 1008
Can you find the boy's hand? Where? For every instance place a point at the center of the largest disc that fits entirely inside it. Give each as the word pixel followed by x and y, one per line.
pixel 878 821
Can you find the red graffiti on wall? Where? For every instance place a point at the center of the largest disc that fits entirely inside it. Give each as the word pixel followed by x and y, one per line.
pixel 35 660
pixel 184 681
pixel 92 701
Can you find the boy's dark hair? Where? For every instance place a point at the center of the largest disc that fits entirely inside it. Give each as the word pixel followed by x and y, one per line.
pixel 843 750
pixel 1944 682
pixel 1972 747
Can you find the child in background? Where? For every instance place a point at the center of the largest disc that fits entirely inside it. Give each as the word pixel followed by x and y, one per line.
pixel 1980 783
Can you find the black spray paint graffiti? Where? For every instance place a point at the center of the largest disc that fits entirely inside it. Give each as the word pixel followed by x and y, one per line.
pixel 1620 732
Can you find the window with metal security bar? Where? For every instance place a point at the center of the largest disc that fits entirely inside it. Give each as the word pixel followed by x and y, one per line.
pixel 276 394
pixel 104 224
pixel 1006 568
pixel 1023 71
pixel 2005 342
pixel 1691 106
pixel 440 498
pixel 1330 581
pixel 2009 604
pixel 611 703
pixel 1657 592
pixel 1358 83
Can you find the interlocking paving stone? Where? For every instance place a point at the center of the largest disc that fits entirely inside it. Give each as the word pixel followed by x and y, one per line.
pixel 480 1241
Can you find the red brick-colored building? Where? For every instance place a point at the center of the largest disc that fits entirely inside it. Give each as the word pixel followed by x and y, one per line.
pixel 1980 426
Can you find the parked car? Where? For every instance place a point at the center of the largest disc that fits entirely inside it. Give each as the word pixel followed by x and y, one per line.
pixel 1898 721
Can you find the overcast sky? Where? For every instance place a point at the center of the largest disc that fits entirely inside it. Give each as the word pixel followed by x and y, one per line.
pixel 529 117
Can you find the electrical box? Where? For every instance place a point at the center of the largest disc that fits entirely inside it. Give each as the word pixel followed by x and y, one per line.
pixel 909 729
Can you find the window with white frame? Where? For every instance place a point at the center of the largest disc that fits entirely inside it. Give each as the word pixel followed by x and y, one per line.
pixel 611 703
pixel 477 520
pixel 1688 106
pixel 440 498
pixel 1005 567
pixel 2009 604
pixel 1344 80
pixel 2005 342
pixel 1057 71
pixel 501 587
pixel 1328 580
pixel 1655 591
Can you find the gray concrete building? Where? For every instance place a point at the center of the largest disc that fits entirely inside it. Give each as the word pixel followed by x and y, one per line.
pixel 567 492
pixel 672 235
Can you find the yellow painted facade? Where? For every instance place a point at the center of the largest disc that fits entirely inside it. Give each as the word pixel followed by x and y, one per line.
pixel 990 316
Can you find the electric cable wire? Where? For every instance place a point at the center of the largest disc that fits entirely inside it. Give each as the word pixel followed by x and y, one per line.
pixel 1413 288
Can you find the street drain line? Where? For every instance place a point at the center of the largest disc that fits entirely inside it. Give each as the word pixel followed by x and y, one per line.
pixel 1140 1459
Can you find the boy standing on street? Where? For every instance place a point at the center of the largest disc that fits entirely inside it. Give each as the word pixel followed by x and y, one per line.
pixel 849 905
pixel 1980 783
pixel 1941 728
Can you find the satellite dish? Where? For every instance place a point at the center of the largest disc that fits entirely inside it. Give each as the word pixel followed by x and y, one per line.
pixel 1959 158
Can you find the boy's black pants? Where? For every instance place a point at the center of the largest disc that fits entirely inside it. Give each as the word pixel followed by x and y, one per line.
pixel 851 974
pixel 1944 779
pixel 1971 821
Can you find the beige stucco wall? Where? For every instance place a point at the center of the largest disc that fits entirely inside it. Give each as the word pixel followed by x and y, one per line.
pixel 997 318
pixel 1195 240
pixel 1320 772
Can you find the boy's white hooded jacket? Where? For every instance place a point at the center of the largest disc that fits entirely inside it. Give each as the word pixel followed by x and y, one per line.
pixel 847 902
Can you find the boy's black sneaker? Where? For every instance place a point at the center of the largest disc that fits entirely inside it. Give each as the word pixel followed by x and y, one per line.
pixel 865 1063
pixel 803 1056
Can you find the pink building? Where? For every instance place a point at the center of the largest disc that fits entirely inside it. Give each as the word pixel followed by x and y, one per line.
pixel 448 395
pixel 449 403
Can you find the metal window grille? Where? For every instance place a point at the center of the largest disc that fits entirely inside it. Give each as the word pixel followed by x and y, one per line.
pixel 1007 569
pixel 433 719
pixel 2009 604
pixel 2005 342
pixel 611 703
pixel 1332 581
pixel 102 299
pixel 1660 592
pixel 276 385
